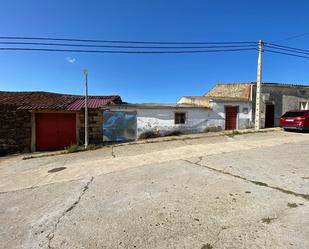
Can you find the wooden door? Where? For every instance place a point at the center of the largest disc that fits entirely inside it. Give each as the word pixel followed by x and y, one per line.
pixel 270 116
pixel 231 117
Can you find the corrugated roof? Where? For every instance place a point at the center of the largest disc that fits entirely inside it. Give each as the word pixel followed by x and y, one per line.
pixel 50 101
pixel 93 102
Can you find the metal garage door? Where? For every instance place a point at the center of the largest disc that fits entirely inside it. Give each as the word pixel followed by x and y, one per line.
pixel 119 126
pixel 55 131
pixel 231 117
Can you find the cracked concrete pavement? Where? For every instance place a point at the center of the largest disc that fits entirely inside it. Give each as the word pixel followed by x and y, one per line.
pixel 247 191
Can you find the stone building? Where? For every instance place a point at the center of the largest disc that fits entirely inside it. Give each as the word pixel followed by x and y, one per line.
pixel 235 103
pixel 38 121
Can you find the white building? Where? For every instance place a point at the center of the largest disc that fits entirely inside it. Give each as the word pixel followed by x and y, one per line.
pixel 225 107
pixel 235 103
pixel 230 102
pixel 129 121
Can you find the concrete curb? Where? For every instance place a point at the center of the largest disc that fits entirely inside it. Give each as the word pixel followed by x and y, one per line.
pixel 196 136
pixel 161 139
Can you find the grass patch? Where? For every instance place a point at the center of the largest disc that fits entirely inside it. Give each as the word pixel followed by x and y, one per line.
pixel 149 134
pixel 174 133
pixel 267 220
pixel 93 147
pixel 292 205
pixel 207 246
pixel 73 148
pixel 213 129
pixel 76 148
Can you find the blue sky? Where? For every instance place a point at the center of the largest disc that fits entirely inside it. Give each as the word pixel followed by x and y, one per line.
pixel 151 78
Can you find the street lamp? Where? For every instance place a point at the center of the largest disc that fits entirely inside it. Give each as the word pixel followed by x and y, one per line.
pixel 86 108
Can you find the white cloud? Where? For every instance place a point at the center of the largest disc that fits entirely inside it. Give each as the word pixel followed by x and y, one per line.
pixel 70 59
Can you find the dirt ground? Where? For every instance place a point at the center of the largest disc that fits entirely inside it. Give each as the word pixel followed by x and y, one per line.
pixel 244 191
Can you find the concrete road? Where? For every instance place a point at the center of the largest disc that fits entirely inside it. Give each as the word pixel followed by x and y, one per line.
pixel 246 191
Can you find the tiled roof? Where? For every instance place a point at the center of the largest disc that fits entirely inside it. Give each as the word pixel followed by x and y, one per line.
pixel 49 101
pixel 284 84
pixel 238 91
pixel 93 102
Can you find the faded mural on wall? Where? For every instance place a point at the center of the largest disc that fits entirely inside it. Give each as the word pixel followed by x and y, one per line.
pixel 119 126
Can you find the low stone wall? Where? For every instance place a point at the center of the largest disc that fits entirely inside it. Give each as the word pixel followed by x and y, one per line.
pixel 15 130
pixel 95 126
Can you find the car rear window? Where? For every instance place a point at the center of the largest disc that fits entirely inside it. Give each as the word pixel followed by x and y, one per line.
pixel 293 114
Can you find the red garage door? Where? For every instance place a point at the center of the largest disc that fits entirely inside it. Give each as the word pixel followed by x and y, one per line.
pixel 231 117
pixel 55 131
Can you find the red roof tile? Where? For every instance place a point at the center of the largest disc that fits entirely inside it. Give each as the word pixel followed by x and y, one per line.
pixel 93 102
pixel 51 101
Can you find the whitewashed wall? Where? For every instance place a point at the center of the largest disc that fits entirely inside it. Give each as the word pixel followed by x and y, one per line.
pixel 244 120
pixel 162 120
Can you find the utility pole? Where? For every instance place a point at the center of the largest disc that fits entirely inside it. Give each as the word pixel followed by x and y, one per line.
pixel 86 108
pixel 257 124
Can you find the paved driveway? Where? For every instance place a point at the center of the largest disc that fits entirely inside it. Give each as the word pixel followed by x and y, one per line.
pixel 247 191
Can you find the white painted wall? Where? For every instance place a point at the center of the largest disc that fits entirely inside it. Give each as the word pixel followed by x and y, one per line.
pixel 244 120
pixel 162 120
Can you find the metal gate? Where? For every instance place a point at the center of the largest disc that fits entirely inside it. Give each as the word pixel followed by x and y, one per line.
pixel 55 131
pixel 119 126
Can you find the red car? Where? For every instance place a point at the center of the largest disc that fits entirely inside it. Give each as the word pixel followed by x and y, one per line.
pixel 297 120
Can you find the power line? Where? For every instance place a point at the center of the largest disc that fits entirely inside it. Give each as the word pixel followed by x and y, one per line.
pixel 126 46
pixel 119 41
pixel 286 47
pixel 124 51
pixel 293 37
pixel 284 53
pixel 288 50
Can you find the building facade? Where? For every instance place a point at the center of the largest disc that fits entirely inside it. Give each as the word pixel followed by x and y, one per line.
pixel 43 121
pixel 235 103
pixel 130 121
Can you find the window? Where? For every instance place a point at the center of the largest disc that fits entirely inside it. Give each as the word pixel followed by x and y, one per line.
pixel 303 105
pixel 293 114
pixel 180 118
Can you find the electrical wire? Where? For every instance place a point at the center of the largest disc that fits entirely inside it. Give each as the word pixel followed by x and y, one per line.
pixel 126 46
pixel 286 47
pixel 119 41
pixel 124 51
pixel 293 37
pixel 284 53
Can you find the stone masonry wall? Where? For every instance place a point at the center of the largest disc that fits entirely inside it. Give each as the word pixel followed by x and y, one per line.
pixel 95 126
pixel 283 98
pixel 15 130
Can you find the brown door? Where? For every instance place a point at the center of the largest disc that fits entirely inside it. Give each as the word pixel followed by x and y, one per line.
pixel 231 117
pixel 270 116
